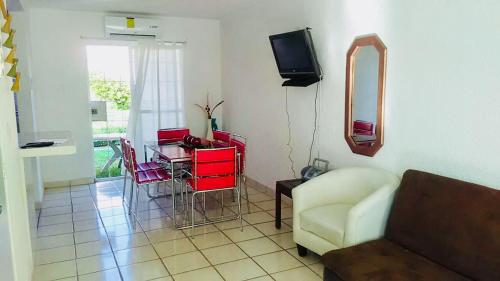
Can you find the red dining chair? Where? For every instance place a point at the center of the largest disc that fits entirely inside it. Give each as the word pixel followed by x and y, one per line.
pixel 364 128
pixel 148 166
pixel 221 139
pixel 172 135
pixel 142 177
pixel 240 142
pixel 214 170
pixel 166 136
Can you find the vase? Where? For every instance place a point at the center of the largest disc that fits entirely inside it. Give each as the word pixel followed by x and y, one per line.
pixel 214 124
pixel 210 134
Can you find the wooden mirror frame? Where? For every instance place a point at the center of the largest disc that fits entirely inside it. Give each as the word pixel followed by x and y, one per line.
pixel 370 40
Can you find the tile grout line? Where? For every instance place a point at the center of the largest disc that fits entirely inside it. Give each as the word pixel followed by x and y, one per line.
pixel 252 258
pixel 106 231
pixel 165 209
pixel 235 243
pixel 74 240
pixel 144 232
pixel 201 252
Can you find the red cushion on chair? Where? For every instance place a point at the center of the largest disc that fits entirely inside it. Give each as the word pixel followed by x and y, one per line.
pixel 219 144
pixel 363 125
pixel 163 174
pixel 143 178
pixel 209 155
pixel 213 183
pixel 152 176
pixel 215 168
pixel 222 136
pixel 172 135
pixel 148 166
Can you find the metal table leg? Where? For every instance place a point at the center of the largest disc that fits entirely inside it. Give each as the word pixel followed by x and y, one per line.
pixel 172 183
pixel 117 154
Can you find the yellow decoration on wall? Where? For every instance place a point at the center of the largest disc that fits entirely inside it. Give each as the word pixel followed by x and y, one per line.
pixel 11 56
pixel 130 23
pixel 9 42
pixel 17 83
pixel 4 10
pixel 6 26
pixel 13 70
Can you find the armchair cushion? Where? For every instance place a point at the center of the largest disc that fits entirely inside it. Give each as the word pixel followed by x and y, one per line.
pixel 383 260
pixel 327 222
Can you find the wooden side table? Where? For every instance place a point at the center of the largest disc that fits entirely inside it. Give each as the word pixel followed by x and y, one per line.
pixel 284 187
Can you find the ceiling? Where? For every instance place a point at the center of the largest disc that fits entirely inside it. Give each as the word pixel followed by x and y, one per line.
pixel 213 9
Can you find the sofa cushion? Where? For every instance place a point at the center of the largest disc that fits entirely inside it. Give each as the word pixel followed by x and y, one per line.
pixel 327 222
pixel 382 260
pixel 451 222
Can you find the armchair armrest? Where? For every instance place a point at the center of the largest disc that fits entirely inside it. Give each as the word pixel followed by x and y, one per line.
pixel 337 186
pixel 367 220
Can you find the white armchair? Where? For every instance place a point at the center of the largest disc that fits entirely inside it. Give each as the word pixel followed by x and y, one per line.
pixel 341 208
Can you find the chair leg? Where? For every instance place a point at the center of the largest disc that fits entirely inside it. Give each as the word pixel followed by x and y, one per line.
pixel 137 197
pixel 192 214
pixel 182 196
pixel 239 210
pixel 301 250
pixel 187 195
pixel 124 186
pixel 222 203
pixel 246 192
pixel 186 215
pixel 173 204
pixel 131 198
pixel 204 207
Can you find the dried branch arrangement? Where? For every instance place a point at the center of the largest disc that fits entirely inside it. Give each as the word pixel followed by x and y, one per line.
pixel 207 108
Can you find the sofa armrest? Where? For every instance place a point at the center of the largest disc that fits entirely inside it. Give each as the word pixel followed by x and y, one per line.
pixel 367 220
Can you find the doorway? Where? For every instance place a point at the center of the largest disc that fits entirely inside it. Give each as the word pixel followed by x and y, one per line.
pixel 110 97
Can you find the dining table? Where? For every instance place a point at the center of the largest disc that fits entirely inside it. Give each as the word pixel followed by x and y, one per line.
pixel 177 156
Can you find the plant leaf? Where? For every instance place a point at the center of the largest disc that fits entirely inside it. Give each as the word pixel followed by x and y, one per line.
pixel 221 102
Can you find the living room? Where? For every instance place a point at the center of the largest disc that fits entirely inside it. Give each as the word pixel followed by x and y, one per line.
pixel 437 103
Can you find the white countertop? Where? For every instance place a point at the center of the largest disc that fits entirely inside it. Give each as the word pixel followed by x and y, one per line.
pixel 63 144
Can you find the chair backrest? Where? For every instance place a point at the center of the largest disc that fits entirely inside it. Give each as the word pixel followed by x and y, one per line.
pixel 363 128
pixel 124 143
pixel 133 163
pixel 172 135
pixel 241 148
pixel 214 168
pixel 222 136
pixel 451 222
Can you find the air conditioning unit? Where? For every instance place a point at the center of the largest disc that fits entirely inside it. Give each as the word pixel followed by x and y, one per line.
pixel 130 26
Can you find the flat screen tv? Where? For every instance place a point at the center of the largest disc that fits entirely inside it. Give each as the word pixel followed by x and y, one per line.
pixel 296 58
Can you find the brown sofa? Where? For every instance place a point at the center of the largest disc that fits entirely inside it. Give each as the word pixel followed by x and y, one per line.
pixel 439 229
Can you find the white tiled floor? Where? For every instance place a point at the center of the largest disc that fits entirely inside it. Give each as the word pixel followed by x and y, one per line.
pixel 85 233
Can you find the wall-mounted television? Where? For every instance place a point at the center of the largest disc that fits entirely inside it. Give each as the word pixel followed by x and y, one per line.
pixel 296 58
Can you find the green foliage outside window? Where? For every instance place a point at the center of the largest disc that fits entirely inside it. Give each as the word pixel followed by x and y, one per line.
pixel 117 92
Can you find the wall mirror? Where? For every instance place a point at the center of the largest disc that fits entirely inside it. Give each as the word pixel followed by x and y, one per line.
pixel 364 102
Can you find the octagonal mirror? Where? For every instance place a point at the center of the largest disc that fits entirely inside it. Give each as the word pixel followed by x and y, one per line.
pixel 364 102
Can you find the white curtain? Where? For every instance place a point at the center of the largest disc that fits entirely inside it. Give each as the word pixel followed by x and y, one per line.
pixel 157 92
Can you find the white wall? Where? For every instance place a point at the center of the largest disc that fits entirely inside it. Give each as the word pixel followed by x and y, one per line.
pixel 442 94
pixel 60 79
pixel 15 247
pixel 16 262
